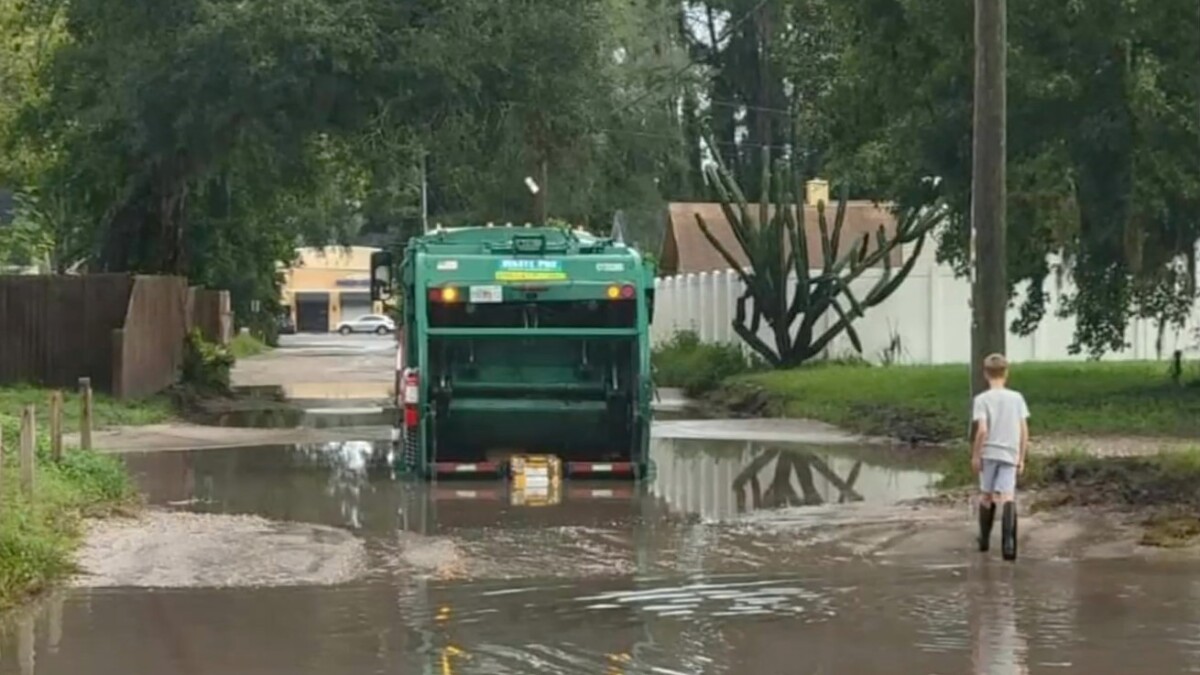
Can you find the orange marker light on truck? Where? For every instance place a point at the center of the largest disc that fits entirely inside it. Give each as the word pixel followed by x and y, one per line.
pixel 447 294
pixel 614 292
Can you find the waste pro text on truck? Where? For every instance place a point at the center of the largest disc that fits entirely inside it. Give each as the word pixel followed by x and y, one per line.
pixel 519 340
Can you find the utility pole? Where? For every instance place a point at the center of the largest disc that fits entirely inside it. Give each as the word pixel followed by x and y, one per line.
pixel 424 193
pixel 542 199
pixel 988 191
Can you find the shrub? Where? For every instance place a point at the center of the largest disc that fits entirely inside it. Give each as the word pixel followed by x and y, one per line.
pixel 698 367
pixel 38 534
pixel 206 365
pixel 245 345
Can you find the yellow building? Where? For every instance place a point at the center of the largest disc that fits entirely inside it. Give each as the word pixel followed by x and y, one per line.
pixel 327 286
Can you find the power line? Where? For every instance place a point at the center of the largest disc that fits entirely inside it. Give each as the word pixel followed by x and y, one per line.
pixel 711 102
pixel 648 134
pixel 729 144
pixel 747 106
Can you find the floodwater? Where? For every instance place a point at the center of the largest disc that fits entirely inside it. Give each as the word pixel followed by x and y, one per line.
pixel 669 577
pixel 329 417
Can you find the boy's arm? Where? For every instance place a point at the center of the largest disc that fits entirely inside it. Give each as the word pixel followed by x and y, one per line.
pixel 1024 432
pixel 977 442
pixel 1024 442
pixel 980 417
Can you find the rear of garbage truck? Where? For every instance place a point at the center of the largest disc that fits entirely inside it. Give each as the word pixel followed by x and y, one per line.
pixel 519 342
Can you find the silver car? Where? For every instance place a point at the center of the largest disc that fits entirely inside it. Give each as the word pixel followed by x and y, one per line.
pixel 370 323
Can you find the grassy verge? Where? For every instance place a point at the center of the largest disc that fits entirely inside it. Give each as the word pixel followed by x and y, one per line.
pixel 107 411
pixel 929 403
pixel 39 533
pixel 245 345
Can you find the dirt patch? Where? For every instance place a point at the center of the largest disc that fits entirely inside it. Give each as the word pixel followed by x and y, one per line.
pixel 1164 480
pixel 161 549
pixel 739 400
pixel 908 425
pixel 1171 530
pixel 1109 446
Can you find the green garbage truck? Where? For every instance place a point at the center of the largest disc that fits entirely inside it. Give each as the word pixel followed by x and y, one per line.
pixel 517 341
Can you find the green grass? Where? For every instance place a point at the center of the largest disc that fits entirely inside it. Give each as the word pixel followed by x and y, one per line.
pixel 1090 398
pixel 38 534
pixel 106 411
pixel 245 345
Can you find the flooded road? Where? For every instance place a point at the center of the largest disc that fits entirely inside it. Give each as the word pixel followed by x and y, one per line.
pixel 684 574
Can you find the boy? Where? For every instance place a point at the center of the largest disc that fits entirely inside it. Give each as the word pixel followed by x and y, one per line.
pixel 998 453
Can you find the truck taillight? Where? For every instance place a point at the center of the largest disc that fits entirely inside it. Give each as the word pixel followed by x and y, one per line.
pixel 446 294
pixel 411 397
pixel 625 292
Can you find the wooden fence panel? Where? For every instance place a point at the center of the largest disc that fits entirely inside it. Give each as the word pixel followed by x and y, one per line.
pixel 148 351
pixel 56 329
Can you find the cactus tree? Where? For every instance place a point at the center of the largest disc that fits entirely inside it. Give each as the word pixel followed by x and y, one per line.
pixel 777 260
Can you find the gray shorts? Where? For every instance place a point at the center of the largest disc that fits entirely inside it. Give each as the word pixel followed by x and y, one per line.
pixel 998 476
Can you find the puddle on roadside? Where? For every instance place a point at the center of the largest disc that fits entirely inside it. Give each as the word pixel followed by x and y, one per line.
pixel 280 417
pixel 716 480
pixel 721 480
pixel 330 391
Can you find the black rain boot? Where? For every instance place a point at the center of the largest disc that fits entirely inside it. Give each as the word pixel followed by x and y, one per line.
pixel 1008 531
pixel 987 516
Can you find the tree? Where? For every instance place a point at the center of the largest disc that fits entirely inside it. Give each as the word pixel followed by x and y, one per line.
pixel 210 138
pixel 237 87
pixel 568 87
pixel 767 67
pixel 775 246
pixel 1103 143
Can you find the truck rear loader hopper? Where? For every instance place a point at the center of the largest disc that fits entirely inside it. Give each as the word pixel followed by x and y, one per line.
pixel 519 341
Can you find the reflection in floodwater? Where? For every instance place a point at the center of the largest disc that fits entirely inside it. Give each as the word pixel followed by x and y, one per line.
pixel 720 480
pixel 999 646
pixel 280 417
pixel 605 579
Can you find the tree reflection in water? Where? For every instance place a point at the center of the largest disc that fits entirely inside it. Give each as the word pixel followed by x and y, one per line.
pixel 782 489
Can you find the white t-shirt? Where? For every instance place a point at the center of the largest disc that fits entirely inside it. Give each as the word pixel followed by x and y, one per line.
pixel 1002 410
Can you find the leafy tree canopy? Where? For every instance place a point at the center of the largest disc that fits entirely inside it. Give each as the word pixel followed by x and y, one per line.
pixel 211 137
pixel 1103 142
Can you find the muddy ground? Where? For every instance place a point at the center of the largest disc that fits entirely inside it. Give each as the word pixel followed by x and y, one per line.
pixel 164 549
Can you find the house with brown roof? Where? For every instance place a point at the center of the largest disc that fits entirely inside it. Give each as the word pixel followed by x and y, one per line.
pixel 685 249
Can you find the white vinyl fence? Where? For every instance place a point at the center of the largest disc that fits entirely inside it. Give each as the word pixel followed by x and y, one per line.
pixel 925 321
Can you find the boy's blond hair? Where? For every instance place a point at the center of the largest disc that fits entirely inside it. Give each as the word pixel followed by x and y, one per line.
pixel 995 366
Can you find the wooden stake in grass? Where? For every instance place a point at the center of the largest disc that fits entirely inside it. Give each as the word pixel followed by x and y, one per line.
pixel 56 425
pixel 85 413
pixel 28 442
